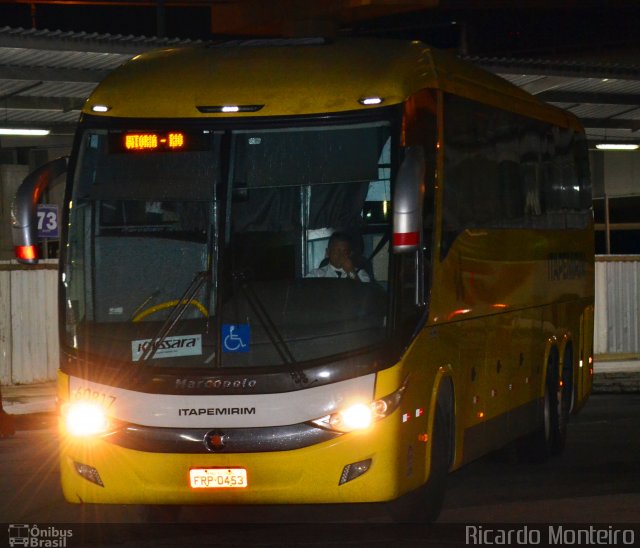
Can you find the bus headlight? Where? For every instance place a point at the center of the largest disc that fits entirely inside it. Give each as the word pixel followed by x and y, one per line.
pixel 356 417
pixel 360 416
pixel 85 418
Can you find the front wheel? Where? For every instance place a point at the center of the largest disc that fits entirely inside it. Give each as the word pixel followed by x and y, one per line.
pixel 423 505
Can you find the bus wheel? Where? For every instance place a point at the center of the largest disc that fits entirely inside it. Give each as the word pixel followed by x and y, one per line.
pixel 549 439
pixel 423 505
pixel 160 513
pixel 564 403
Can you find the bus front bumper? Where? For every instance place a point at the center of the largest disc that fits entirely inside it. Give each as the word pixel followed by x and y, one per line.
pixel 373 466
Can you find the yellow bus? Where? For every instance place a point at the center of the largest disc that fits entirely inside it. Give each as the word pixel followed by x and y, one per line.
pixel 210 354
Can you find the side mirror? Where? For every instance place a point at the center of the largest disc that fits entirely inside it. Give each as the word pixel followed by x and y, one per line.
pixel 408 198
pixel 24 221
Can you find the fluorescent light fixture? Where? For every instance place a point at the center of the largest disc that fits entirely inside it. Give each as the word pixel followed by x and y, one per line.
pixel 231 108
pixel 617 146
pixel 23 131
pixel 100 108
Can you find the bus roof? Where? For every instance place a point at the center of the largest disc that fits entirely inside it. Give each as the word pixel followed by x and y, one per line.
pixel 298 77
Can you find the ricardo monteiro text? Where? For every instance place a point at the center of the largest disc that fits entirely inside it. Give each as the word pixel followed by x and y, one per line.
pixel 552 535
pixel 217 411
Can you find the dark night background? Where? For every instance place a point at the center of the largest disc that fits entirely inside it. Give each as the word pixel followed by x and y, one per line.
pixel 186 22
pixel 569 27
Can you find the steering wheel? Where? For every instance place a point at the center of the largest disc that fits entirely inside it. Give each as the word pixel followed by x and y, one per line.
pixel 168 304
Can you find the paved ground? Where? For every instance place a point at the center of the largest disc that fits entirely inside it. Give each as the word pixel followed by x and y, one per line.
pixel 617 376
pixel 594 483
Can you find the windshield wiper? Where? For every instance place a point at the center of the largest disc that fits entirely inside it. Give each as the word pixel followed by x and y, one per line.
pixel 271 329
pixel 144 304
pixel 174 316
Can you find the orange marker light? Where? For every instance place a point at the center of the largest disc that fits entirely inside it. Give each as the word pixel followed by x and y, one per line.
pixel 458 313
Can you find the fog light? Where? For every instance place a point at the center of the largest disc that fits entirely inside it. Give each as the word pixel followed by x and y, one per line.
pixel 354 470
pixel 88 473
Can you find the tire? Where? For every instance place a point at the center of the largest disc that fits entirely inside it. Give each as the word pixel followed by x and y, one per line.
pixel 423 505
pixel 564 402
pixel 550 437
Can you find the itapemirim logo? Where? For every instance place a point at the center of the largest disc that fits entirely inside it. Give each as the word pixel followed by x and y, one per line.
pixel 21 534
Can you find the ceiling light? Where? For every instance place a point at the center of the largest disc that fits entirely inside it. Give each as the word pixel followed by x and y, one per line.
pixel 23 131
pixel 100 108
pixel 617 146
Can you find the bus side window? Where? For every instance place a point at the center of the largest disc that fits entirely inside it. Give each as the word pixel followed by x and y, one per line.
pixel 410 303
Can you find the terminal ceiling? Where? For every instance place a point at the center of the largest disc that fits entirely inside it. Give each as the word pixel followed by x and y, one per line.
pixel 45 77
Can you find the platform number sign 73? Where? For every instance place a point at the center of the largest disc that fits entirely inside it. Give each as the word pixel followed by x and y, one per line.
pixel 48 225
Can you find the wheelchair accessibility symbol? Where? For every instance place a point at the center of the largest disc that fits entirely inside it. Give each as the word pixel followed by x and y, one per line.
pixel 235 337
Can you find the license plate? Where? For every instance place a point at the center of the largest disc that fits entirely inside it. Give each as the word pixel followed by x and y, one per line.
pixel 218 478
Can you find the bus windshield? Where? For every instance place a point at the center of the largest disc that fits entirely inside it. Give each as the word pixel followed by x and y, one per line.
pixel 206 248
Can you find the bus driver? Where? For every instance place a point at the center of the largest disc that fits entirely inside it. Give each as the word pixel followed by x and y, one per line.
pixel 340 260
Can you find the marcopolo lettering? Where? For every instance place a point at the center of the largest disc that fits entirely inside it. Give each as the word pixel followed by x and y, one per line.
pixel 215 384
pixel 189 412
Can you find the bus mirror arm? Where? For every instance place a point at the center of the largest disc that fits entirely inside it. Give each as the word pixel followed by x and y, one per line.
pixel 24 222
pixel 408 198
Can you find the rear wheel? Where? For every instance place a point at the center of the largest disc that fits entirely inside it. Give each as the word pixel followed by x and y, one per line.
pixel 550 437
pixel 564 402
pixel 424 504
